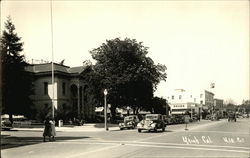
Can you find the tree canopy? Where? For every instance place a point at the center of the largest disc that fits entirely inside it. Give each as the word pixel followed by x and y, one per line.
pixel 160 106
pixel 16 82
pixel 122 67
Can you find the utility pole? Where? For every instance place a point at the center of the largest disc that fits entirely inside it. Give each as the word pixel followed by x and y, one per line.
pixel 105 108
pixel 52 63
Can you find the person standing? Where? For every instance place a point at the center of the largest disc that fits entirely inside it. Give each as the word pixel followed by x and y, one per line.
pixel 47 129
pixel 53 129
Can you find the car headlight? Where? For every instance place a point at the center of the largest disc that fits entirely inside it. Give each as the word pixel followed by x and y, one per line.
pixel 153 125
pixel 120 124
pixel 139 125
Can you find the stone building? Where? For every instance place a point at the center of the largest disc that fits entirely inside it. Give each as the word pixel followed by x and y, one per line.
pixel 69 90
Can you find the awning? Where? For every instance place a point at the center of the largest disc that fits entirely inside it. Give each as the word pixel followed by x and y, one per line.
pixel 177 112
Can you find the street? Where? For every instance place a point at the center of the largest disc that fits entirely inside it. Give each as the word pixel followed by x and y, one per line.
pixel 202 139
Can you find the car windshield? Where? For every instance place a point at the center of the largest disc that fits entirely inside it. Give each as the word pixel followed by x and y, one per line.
pixel 151 117
pixel 5 119
pixel 129 118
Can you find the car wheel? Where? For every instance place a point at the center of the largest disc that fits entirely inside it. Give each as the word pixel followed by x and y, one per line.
pixel 139 130
pixel 155 129
pixel 163 129
pixel 121 128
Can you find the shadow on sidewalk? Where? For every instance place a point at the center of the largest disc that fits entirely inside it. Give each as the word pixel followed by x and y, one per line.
pixel 101 125
pixel 11 142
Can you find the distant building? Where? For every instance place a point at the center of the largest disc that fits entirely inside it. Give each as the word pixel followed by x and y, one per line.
pixel 207 100
pixel 69 90
pixel 181 100
pixel 218 104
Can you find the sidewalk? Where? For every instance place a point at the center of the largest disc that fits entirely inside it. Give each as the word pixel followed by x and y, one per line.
pixel 87 127
pixel 98 127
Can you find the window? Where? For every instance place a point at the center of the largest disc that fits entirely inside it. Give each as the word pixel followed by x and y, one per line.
pixel 191 96
pixel 63 88
pixel 201 101
pixel 172 97
pixel 201 95
pixel 179 96
pixel 45 88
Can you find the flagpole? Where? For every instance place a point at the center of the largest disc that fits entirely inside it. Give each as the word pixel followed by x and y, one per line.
pixel 52 56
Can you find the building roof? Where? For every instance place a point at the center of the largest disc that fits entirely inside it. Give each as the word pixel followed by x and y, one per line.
pixel 47 67
pixel 78 69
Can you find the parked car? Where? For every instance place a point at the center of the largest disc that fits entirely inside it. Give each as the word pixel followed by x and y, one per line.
pixel 172 120
pixel 130 122
pixel 166 119
pixel 179 119
pixel 6 124
pixel 215 117
pixel 208 117
pixel 152 122
pixel 245 115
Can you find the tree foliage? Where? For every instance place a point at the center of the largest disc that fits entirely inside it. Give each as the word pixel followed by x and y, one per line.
pixel 122 67
pixel 16 82
pixel 159 105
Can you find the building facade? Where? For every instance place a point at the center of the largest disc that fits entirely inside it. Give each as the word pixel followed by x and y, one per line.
pixel 69 94
pixel 181 100
pixel 218 104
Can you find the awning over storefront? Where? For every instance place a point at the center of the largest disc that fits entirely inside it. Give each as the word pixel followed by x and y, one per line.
pixel 177 112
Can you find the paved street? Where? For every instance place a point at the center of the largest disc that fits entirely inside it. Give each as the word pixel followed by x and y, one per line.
pixel 202 139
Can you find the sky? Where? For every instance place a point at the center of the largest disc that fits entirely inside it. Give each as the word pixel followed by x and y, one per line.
pixel 200 42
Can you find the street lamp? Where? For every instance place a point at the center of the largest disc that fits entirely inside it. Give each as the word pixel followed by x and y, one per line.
pixel 105 108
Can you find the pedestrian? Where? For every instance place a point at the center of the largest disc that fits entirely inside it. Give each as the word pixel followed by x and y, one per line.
pixel 47 129
pixel 53 129
pixel 199 118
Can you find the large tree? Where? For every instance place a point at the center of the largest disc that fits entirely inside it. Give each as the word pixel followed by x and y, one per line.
pixel 122 67
pixel 159 106
pixel 16 82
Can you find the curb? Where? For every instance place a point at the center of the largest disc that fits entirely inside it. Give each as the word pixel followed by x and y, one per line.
pixel 69 129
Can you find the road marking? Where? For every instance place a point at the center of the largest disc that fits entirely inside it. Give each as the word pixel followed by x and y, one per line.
pixel 93 151
pixel 30 152
pixel 154 143
pixel 139 140
pixel 210 146
pixel 221 132
pixel 172 146
pixel 192 148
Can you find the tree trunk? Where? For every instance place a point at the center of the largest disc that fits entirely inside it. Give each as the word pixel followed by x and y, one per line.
pixel 113 114
pixel 137 111
pixel 134 110
pixel 11 118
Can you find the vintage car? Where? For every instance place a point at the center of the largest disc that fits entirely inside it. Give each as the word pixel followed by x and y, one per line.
pixel 6 124
pixel 130 122
pixel 215 117
pixel 152 122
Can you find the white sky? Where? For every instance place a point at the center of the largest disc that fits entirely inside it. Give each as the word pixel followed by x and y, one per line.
pixel 199 41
